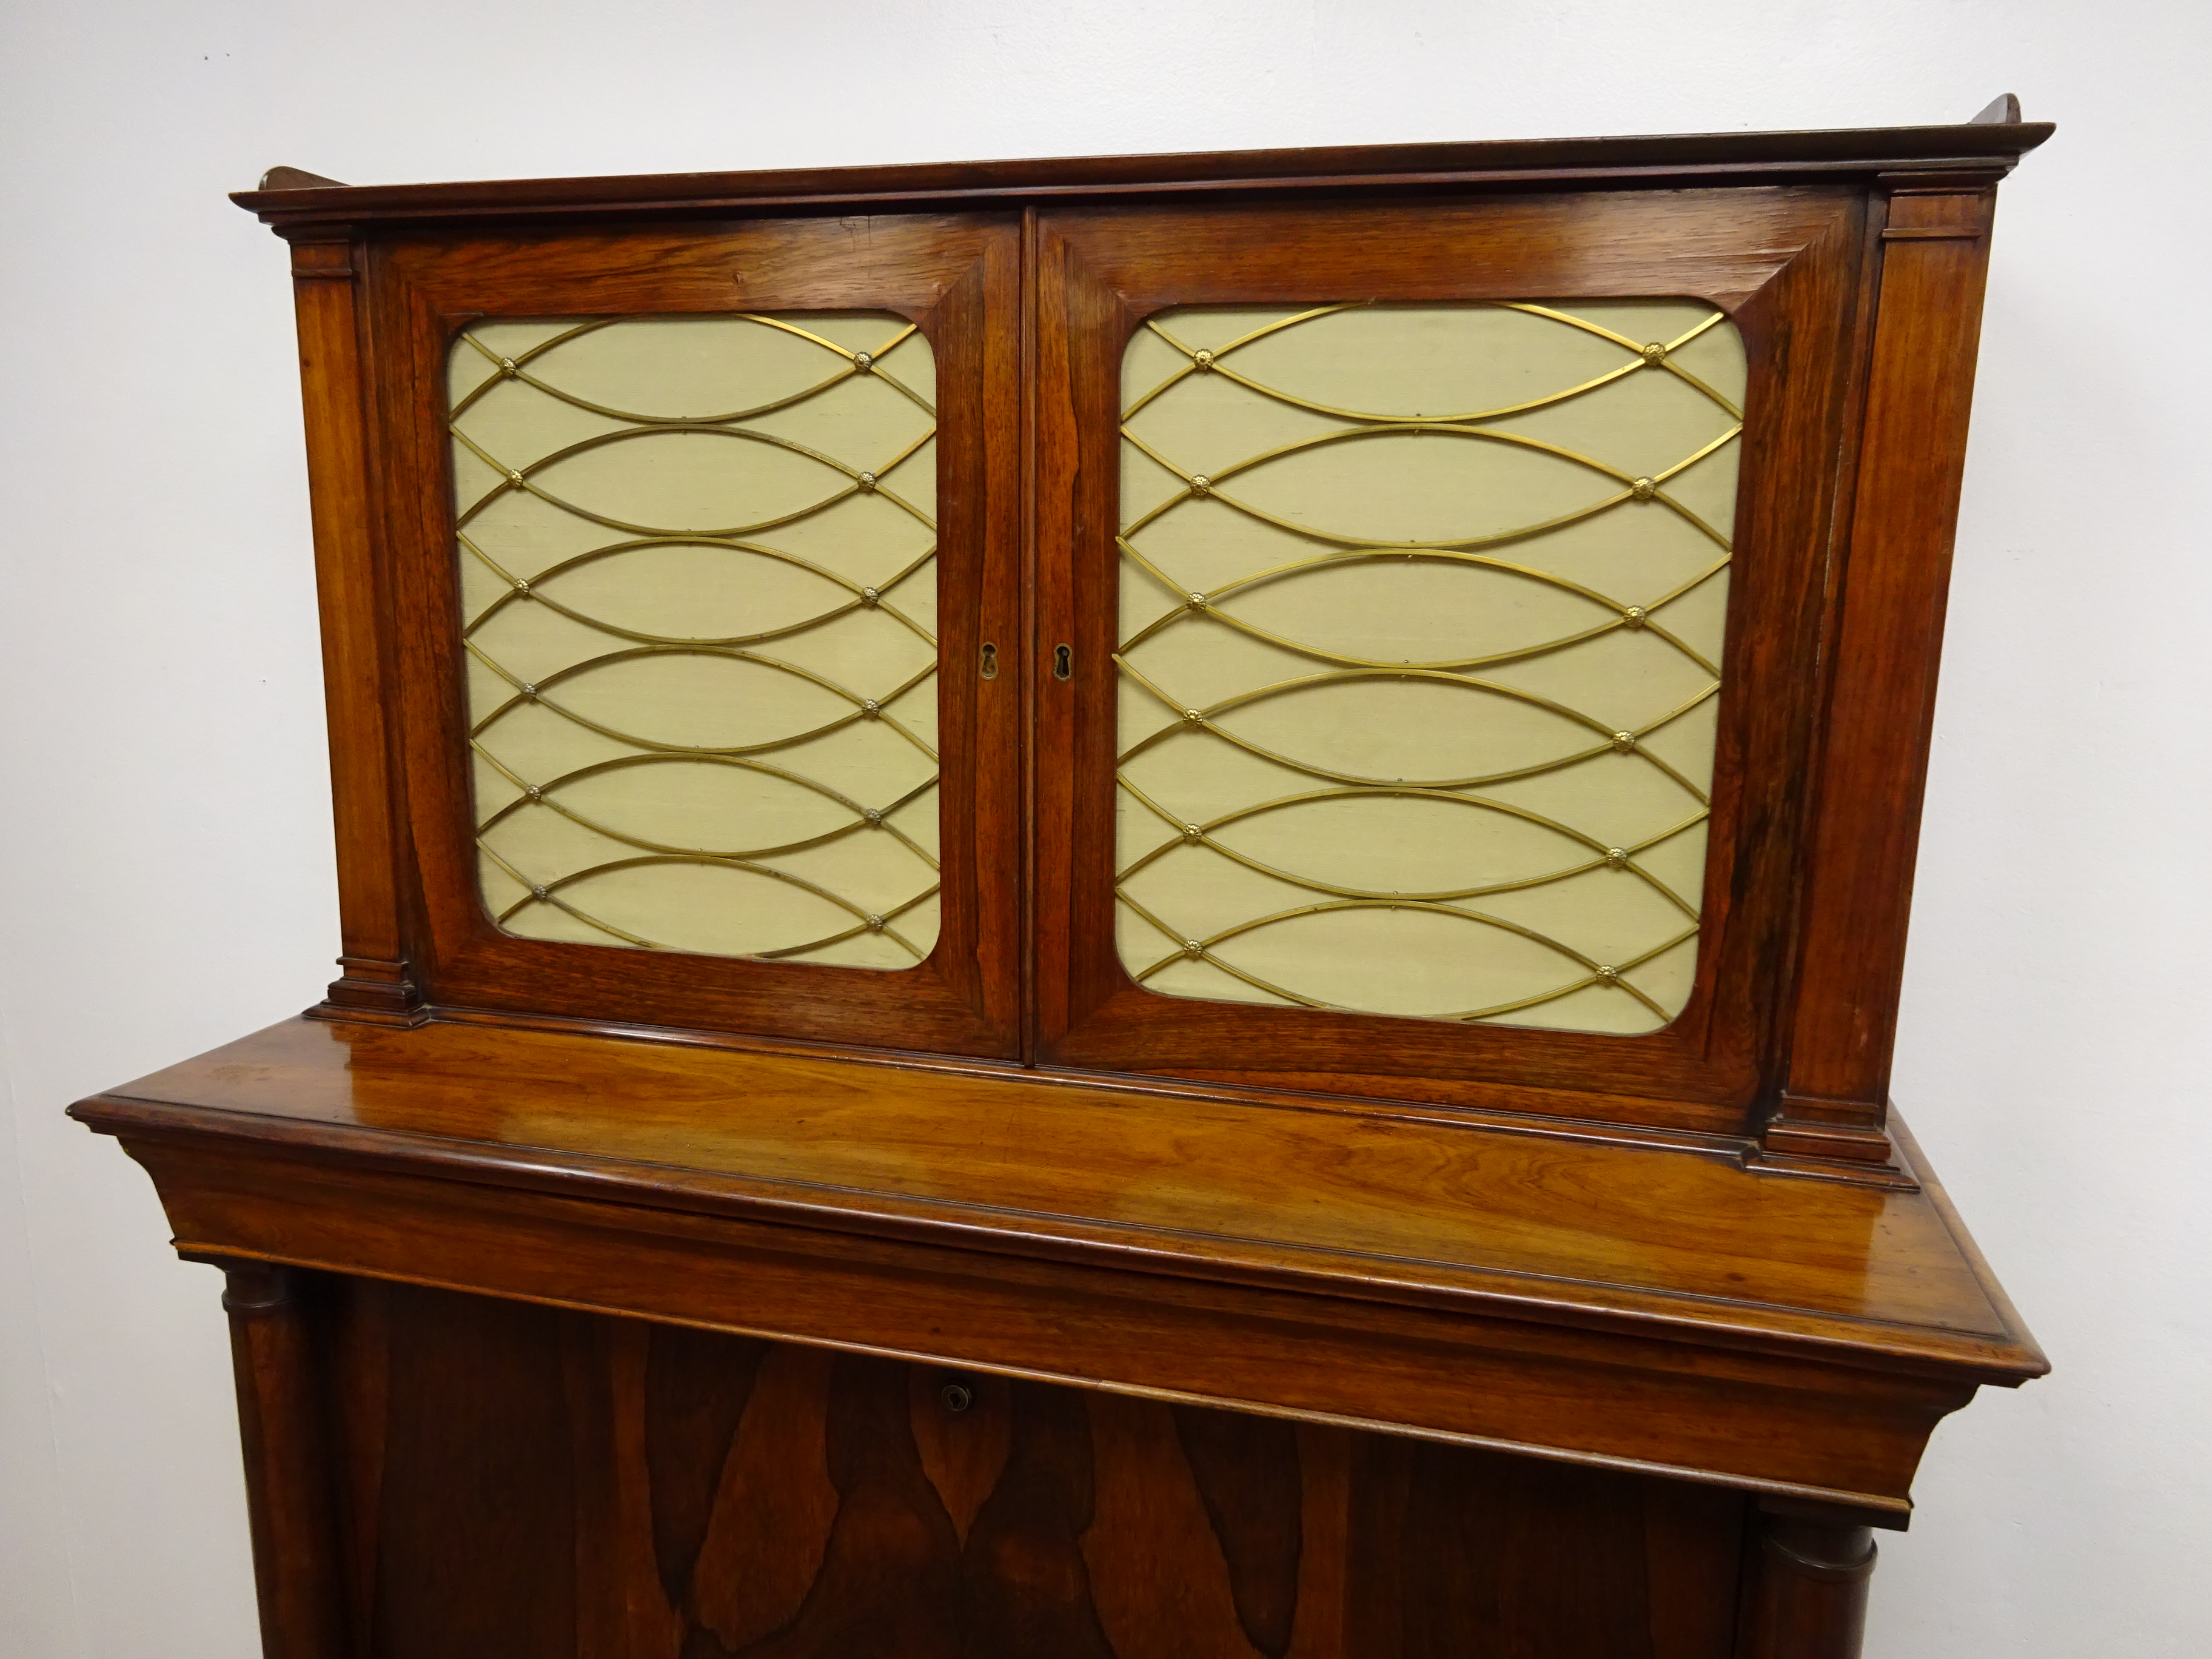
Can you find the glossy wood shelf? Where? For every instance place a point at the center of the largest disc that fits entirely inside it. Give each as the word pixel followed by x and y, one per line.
pixel 967 1210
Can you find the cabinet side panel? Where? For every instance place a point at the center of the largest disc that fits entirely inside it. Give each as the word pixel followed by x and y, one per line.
pixel 1881 700
pixel 376 984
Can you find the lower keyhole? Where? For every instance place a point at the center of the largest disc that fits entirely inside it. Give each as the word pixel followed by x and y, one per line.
pixel 958 1393
pixel 1063 662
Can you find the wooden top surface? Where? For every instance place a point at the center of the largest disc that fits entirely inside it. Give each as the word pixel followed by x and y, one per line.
pixel 1990 146
pixel 1524 1224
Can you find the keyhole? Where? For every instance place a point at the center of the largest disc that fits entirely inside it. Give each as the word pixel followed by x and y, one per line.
pixel 957 1393
pixel 1063 662
pixel 990 660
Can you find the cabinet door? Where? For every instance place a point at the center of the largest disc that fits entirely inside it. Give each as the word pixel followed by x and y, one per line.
pixel 705 574
pixel 1430 604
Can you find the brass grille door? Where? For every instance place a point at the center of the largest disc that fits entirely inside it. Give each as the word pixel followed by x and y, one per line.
pixel 713 662
pixel 1421 626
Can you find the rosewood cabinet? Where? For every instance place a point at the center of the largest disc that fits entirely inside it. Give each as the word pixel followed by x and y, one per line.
pixel 1138 907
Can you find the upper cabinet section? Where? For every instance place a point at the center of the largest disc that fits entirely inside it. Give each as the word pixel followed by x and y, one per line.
pixel 1452 625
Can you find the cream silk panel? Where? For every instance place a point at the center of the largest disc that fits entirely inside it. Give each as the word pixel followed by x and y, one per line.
pixel 1422 615
pixel 697 560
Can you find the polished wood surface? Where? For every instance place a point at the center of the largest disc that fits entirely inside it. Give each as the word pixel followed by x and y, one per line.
pixel 1884 644
pixel 1413 1210
pixel 734 1497
pixel 1658 1307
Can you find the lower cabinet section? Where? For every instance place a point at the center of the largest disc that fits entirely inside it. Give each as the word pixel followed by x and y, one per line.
pixel 508 1481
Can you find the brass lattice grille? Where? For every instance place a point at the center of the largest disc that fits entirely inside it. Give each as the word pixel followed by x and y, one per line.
pixel 698 579
pixel 1422 615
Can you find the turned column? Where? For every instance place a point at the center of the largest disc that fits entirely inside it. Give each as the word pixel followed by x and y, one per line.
pixel 1807 1595
pixel 284 1432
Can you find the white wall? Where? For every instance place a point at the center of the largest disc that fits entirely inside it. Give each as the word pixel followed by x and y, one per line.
pixel 165 878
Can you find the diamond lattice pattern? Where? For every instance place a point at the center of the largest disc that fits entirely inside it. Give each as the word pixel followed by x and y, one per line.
pixel 1422 616
pixel 697 562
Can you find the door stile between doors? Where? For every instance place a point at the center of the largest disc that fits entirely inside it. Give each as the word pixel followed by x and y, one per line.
pixel 1028 655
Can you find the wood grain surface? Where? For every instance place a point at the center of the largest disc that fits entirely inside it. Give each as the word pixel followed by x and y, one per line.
pixel 1653 1309
pixel 525 1482
pixel 1403 1208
